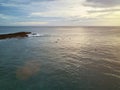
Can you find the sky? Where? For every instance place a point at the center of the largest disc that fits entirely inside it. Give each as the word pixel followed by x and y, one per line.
pixel 59 12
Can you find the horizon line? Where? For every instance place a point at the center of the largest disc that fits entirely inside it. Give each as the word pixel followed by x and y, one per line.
pixel 61 26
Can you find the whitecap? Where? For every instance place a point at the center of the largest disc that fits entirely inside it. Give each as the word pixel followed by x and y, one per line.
pixel 34 35
pixel 38 35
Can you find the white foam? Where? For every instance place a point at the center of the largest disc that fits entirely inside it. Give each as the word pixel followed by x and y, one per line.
pixel 34 35
pixel 38 35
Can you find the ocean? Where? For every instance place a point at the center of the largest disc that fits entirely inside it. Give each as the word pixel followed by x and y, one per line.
pixel 61 58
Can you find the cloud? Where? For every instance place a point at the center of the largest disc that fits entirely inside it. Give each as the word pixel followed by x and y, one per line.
pixel 61 12
pixel 62 8
pixel 34 23
pixel 23 1
pixel 7 17
pixel 102 3
pixel 105 10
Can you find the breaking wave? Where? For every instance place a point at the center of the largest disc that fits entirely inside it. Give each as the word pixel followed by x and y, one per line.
pixel 38 35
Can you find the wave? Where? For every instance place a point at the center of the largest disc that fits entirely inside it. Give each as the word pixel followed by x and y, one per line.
pixel 38 35
pixel 113 75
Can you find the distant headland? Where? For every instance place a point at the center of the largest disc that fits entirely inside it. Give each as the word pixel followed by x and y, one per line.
pixel 14 35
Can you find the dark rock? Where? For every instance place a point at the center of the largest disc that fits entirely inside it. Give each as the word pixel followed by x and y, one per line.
pixel 14 35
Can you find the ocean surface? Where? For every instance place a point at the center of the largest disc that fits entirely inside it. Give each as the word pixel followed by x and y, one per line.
pixel 61 58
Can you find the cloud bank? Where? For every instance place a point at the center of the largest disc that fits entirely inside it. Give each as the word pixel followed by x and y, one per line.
pixel 60 12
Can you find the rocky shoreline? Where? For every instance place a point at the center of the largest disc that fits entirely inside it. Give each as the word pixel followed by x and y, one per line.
pixel 14 35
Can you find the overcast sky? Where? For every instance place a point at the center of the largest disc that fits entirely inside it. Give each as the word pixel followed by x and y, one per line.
pixel 59 12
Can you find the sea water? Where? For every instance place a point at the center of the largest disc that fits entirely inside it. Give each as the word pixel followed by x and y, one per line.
pixel 61 58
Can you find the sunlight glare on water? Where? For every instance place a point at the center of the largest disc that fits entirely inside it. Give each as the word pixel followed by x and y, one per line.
pixel 63 58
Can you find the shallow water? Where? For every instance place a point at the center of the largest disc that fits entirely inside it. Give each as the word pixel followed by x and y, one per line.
pixel 63 58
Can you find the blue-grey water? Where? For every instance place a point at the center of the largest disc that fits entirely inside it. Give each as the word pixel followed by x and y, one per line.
pixel 62 58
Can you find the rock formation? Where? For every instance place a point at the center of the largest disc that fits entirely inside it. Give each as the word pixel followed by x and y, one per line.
pixel 14 35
